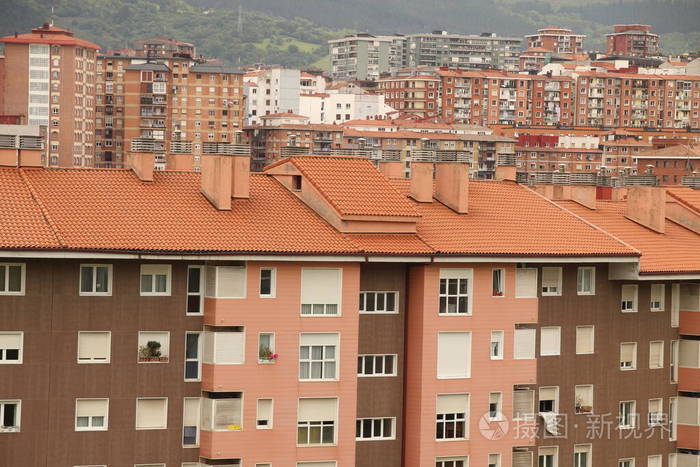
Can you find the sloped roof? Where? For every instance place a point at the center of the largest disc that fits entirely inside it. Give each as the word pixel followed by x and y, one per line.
pixel 681 150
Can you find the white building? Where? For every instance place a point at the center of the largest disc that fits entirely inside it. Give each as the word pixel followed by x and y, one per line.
pixel 271 91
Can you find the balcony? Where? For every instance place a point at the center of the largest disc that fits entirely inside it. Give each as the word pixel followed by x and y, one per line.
pixel 689 305
pixel 688 423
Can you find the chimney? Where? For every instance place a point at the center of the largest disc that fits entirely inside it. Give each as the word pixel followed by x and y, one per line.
pixel 506 172
pixel 646 206
pixel 452 185
pixel 585 195
pixel 142 165
pixel 422 181
pixel 391 169
pixel 225 176
pixel 20 151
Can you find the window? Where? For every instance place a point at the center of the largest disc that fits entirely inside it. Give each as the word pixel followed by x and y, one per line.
pixel 547 457
pixel 193 359
pixel 452 462
pixel 154 346
pixel 221 411
pixel 378 302
pixel 656 415
pixel 317 464
pixel 672 418
pixel 628 356
pixel 455 289
pixel 585 281
pixel 675 304
pixel 226 281
pixel 582 455
pixel 95 279
pixel 551 281
pixel 525 282
pixel 451 416
pixel 495 406
pixel 316 420
pixel 583 398
pixel 673 361
pixel 629 298
pixel 296 179
pixel 454 355
pixel 497 340
pixel 94 346
pixel 523 403
pixel 266 347
pixel 267 282
pixel 151 413
pixel 11 344
pixel 656 354
pixel 12 278
pixel 625 463
pixel 374 428
pixel 317 356
pixel 155 279
pixel 91 414
pixel 550 341
pixel 585 337
pixel 627 414
pixel 654 461
pixel 10 416
pixel 320 291
pixel 549 399
pixel 524 344
pixel 263 419
pixel 376 365
pixel 498 282
pixel 658 297
pixel 224 345
pixel 190 421
pixel 522 459
pixel 195 290
pixel 494 460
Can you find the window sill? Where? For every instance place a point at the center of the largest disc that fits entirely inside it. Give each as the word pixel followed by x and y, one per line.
pixel 153 359
pixel 551 294
pixel 378 313
pixel 321 316
pixel 454 314
pixel 335 380
pixel 450 440
pixel 585 293
pixel 143 294
pixel 93 362
pixel 95 294
pixel 18 294
pixel 91 429
pixel 629 311
pixel 266 362
pixel 9 429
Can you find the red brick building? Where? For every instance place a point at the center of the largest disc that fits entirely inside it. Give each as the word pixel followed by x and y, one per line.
pixel 633 40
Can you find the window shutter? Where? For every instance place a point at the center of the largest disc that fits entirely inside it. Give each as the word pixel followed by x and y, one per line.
pixel 689 354
pixel 523 400
pixel 584 339
pixel 230 281
pixel 655 405
pixel 548 394
pixel 627 352
pixel 585 393
pixel 548 451
pixel 452 403
pixel 318 409
pixel 264 409
pixel 229 347
pixel 151 413
pixel 526 282
pixel 522 459
pixel 656 354
pixel 494 398
pixel 550 279
pixel 91 407
pixel 190 412
pixel 311 338
pixel 10 340
pixel 658 296
pixel 629 297
pixel 320 286
pixel 524 346
pixel 654 461
pixel 454 359
pixel 550 341
pixel 227 412
pixel 93 345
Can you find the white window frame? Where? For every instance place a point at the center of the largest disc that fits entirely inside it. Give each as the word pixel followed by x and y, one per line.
pixel 20 355
pixel 92 360
pixel 626 307
pixel 273 282
pixel 553 353
pixel 583 448
pixel 359 437
pixel 557 292
pixel 200 349
pixel 17 427
pixel 655 420
pixel 458 274
pixel 632 415
pixel 136 409
pixel 662 298
pixel 499 407
pixel 501 283
pixel 138 344
pixel 581 270
pixel 502 343
pixel 335 359
pixel 578 411
pixel 634 357
pixel 586 326
pixel 198 426
pixel 308 425
pixel 364 297
pixel 23 277
pixel 202 288
pixel 105 426
pixel 94 266
pixel 325 314
pixel 168 268
pixel 673 362
pixel 555 405
pixel 555 456
pixel 498 460
pixel 257 413
pixel 661 354
pixel 363 363
pixel 272 349
pixel 629 461
pixel 441 461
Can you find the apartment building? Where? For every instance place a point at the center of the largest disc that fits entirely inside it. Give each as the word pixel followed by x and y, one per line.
pixel 558 40
pixel 361 57
pixel 272 91
pixel 346 318
pixel 173 102
pixel 670 164
pixel 413 92
pixel 633 40
pixel 165 48
pixel 342 104
pixel 49 80
pixel 462 51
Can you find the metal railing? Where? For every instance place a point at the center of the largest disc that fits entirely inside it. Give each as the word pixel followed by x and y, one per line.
pixel 212 147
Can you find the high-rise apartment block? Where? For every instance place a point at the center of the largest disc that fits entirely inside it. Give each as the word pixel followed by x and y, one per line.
pixel 633 40
pixel 556 40
pixel 323 315
pixel 365 57
pixel 49 80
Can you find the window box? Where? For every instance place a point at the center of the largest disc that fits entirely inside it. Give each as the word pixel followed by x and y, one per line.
pixel 153 347
pixel 151 352
pixel 584 408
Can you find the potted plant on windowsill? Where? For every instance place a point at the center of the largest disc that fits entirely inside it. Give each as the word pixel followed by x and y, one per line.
pixel 151 352
pixel 580 408
pixel 266 355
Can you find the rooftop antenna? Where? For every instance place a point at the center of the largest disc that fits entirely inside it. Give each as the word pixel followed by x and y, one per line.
pixel 240 19
pixel 51 17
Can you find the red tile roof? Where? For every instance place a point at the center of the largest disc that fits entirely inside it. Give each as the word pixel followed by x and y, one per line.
pixel 49 35
pixel 675 251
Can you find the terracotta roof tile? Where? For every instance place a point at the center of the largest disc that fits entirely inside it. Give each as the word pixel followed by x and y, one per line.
pixel 675 251
pixel 687 196
pixel 391 244
pixel 353 186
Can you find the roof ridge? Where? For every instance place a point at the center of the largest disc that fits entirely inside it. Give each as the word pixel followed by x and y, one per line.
pixel 43 209
pixel 682 201
pixel 590 224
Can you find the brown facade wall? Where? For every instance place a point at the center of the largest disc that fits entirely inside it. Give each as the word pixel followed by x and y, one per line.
pixel 49 379
pixel 602 368
pixel 382 396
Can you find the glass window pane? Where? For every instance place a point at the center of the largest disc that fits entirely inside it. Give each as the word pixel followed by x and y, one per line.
pixel 86 279
pixel 161 283
pixel 193 278
pixel 146 283
pixel 82 421
pixel 452 286
pixel 102 277
pixel 15 284
pixel 367 428
pixel 463 286
pixel 315 434
pixel 98 421
pixel 387 433
pixel 359 365
pixel 304 352
pixel 377 429
pixel 11 354
pixel 2 278
pixel 316 370
pixel 192 370
pixel 379 364
pixel 304 370
pixel 302 435
pixel 330 370
pixel 389 364
pixel 369 306
pixel 192 346
pixel 317 352
pixel 9 414
pixel 330 351
pixel 369 365
pixel 328 434
pixel 390 298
